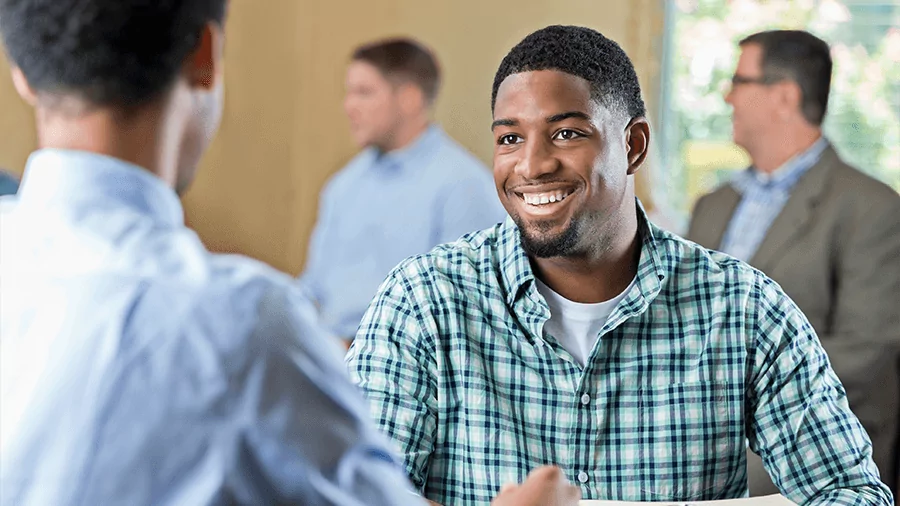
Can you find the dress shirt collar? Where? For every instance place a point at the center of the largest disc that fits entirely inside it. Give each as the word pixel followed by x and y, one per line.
pixel 785 176
pixel 73 179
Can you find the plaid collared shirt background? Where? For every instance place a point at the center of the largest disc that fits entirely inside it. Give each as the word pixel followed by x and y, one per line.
pixel 704 353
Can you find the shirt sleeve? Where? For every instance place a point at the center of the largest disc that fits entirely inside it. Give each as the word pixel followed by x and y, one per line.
pixel 392 364
pixel 317 253
pixel 307 438
pixel 799 421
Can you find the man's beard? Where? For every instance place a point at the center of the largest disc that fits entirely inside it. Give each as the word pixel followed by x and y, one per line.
pixel 541 246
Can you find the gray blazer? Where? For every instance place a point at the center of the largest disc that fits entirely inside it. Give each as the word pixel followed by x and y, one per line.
pixel 835 250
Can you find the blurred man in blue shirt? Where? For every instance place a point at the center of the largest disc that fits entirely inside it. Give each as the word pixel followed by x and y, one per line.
pixel 135 366
pixel 411 188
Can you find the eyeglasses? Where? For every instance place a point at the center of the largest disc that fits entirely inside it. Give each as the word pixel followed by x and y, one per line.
pixel 737 80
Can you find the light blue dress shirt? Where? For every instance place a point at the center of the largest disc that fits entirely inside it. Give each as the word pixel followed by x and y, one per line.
pixel 138 368
pixel 382 208
pixel 763 196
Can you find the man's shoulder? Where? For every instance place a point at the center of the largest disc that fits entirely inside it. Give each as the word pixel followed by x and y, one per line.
pixel 463 161
pixel 859 187
pixel 690 264
pixel 473 258
pixel 237 305
pixel 715 198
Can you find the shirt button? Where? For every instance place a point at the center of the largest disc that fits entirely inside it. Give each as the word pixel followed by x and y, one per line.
pixel 585 399
pixel 582 477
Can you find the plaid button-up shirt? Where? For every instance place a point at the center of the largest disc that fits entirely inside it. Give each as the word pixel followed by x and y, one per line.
pixel 702 355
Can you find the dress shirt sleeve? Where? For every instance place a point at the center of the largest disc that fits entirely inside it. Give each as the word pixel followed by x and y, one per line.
pixel 316 253
pixel 307 437
pixel 799 422
pixel 392 364
pixel 469 205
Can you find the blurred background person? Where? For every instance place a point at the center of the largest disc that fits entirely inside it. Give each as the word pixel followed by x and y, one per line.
pixel 412 186
pixel 826 232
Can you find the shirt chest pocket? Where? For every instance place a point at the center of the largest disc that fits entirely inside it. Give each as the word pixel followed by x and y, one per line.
pixel 690 438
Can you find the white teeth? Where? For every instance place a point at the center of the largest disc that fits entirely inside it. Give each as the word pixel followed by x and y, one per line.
pixel 537 199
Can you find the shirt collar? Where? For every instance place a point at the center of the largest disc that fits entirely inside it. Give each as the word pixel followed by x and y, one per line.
pixel 73 179
pixel 423 145
pixel 785 176
pixel 517 274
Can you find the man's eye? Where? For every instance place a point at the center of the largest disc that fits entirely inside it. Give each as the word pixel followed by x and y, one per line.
pixel 566 135
pixel 509 139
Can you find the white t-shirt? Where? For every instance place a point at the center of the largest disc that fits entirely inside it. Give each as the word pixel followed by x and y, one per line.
pixel 576 326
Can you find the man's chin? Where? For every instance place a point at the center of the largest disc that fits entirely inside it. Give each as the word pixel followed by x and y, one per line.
pixel 547 243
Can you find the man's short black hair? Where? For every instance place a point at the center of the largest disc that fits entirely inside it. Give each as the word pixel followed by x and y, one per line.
pixel 801 57
pixel 404 60
pixel 120 53
pixel 581 52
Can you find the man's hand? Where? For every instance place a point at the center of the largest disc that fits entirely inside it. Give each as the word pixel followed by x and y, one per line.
pixel 545 486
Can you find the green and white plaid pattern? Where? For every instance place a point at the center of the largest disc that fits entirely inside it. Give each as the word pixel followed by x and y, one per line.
pixel 703 355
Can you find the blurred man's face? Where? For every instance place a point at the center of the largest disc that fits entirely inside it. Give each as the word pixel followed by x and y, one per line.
pixel 751 100
pixel 372 104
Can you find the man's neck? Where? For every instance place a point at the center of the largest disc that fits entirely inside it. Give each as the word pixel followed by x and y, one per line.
pixel 775 152
pixel 138 138
pixel 596 277
pixel 407 134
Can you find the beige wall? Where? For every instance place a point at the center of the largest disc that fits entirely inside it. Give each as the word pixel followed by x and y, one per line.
pixel 284 132
pixel 17 137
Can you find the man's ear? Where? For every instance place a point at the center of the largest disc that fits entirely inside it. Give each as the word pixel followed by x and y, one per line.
pixel 789 97
pixel 203 67
pixel 637 143
pixel 22 87
pixel 411 97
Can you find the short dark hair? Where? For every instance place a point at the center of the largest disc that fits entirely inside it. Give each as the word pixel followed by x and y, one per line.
pixel 801 57
pixel 120 53
pixel 405 60
pixel 581 52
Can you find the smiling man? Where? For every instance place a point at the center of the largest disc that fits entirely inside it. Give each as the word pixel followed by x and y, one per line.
pixel 578 333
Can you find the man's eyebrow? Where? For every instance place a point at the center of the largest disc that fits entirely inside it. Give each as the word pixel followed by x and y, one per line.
pixel 504 122
pixel 566 115
pixel 508 122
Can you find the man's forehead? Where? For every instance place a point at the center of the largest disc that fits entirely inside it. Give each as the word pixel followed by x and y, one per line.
pixel 544 82
pixel 542 89
pixel 544 93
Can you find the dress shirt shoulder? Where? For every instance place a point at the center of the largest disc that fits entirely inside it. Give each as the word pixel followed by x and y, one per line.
pixel 467 263
pixel 461 159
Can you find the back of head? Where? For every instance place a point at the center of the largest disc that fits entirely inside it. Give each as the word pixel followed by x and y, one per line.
pixel 403 60
pixel 103 53
pixel 800 57
pixel 581 52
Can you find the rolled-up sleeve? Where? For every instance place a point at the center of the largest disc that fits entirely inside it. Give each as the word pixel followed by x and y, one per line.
pixel 799 421
pixel 391 361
